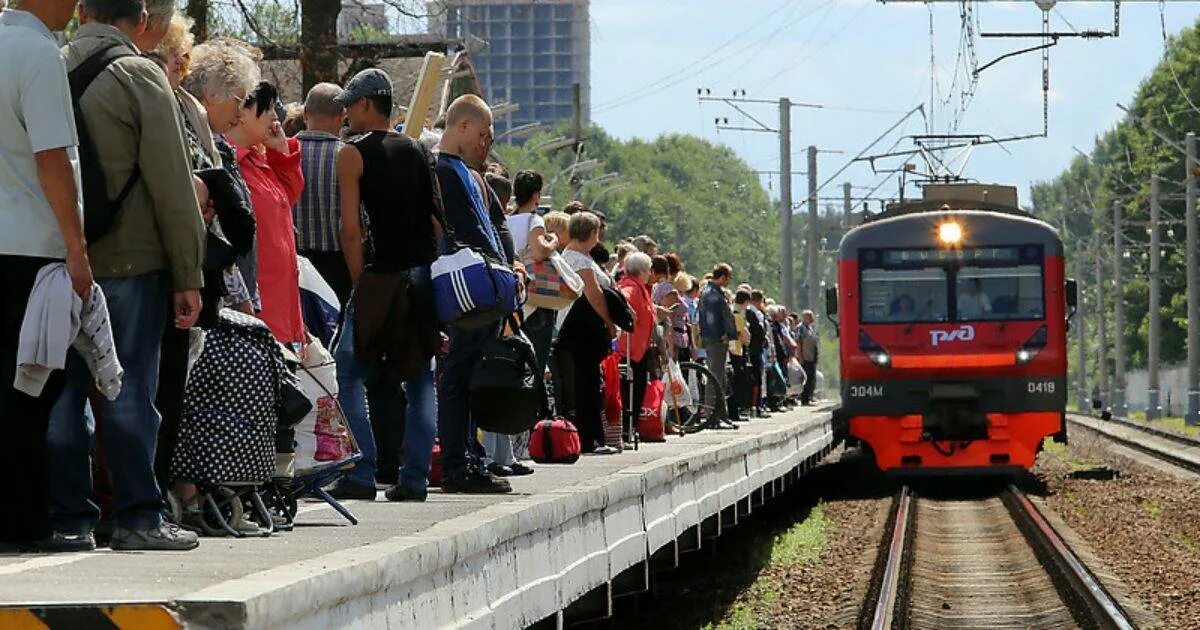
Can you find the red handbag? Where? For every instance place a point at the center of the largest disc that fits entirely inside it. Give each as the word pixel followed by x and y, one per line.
pixel 554 442
pixel 650 420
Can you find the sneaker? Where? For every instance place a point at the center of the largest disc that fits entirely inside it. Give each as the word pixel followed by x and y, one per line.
pixel 499 471
pixel 475 482
pixel 400 492
pixel 606 450
pixel 60 542
pixel 346 489
pixel 520 469
pixel 162 537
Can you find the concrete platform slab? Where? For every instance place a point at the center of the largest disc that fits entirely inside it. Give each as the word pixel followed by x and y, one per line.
pixel 455 561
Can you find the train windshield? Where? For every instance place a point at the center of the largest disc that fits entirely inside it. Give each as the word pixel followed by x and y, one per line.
pixel 927 286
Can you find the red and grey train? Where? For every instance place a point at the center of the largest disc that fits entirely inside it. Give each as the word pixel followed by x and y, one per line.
pixel 953 313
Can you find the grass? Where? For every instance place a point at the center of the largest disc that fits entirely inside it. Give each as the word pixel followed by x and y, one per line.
pixel 1152 507
pixel 1168 423
pixel 800 544
pixel 1063 453
pixel 1190 543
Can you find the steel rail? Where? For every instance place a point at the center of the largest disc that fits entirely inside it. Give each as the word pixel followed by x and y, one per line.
pixel 1075 582
pixel 1170 458
pixel 891 585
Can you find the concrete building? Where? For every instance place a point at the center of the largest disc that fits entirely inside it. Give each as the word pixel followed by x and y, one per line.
pixel 359 17
pixel 535 50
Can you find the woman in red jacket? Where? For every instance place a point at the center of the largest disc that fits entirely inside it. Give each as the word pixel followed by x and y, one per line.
pixel 270 164
pixel 633 346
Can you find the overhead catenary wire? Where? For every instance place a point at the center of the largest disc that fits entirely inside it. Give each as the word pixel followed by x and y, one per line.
pixel 706 56
pixel 684 77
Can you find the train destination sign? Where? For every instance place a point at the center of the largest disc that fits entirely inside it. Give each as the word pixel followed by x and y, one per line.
pixel 974 254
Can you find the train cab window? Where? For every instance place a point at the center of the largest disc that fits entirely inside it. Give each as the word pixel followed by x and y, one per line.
pixel 999 293
pixel 904 295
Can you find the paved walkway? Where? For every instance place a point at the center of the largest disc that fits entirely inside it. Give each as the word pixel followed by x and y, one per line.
pixel 497 561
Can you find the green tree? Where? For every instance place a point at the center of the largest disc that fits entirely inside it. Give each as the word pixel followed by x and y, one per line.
pixel 696 198
pixel 1119 168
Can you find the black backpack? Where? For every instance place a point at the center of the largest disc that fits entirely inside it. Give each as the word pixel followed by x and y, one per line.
pixel 99 212
pixel 506 388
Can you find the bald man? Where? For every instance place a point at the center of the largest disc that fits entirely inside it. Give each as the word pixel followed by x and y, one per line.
pixel 466 201
pixel 316 214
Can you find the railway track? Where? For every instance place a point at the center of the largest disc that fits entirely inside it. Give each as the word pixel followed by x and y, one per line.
pixel 1178 450
pixel 992 562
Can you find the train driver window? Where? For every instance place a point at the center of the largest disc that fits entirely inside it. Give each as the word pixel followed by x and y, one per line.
pixel 904 295
pixel 997 293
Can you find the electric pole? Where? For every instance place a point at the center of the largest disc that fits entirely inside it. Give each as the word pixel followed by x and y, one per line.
pixel 814 234
pixel 1118 406
pixel 576 134
pixel 787 287
pixel 847 208
pixel 1102 325
pixel 1080 337
pixel 1152 384
pixel 1193 287
pixel 787 282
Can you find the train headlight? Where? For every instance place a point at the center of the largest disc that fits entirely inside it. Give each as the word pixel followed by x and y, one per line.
pixel 950 233
pixel 1032 346
pixel 873 350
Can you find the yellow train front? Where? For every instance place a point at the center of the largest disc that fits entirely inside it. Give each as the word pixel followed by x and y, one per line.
pixel 953 314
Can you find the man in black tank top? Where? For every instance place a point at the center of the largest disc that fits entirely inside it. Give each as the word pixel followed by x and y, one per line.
pixel 388 178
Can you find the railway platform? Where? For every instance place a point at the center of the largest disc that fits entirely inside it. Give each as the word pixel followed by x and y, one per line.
pixel 560 547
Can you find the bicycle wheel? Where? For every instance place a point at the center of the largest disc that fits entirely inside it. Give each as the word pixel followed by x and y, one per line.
pixel 702 411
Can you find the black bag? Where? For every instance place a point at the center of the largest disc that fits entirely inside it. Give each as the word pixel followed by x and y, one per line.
pixel 506 388
pixel 234 215
pixel 99 212
pixel 294 404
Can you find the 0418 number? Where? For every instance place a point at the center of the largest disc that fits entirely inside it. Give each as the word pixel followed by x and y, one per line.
pixel 1041 387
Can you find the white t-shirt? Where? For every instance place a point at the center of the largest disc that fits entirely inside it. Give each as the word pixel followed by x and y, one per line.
pixel 520 225
pixel 578 262
pixel 35 116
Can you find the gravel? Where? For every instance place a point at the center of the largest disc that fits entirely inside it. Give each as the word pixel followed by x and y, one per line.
pixel 1144 525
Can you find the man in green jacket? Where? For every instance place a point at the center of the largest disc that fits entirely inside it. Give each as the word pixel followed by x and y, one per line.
pixel 148 265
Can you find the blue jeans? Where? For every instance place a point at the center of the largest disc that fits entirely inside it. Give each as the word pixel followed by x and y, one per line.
pixel 367 397
pixel 138 310
pixel 456 429
pixel 499 448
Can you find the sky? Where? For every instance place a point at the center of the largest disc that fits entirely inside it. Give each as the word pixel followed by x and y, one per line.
pixel 868 63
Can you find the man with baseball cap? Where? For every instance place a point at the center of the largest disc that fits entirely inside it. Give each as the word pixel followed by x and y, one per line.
pixel 387 175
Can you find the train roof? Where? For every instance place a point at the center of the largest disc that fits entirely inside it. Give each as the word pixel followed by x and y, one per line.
pixel 984 224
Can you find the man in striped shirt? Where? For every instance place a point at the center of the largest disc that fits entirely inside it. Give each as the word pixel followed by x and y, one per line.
pixel 318 223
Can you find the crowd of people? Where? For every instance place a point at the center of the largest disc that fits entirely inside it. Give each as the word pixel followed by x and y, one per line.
pixel 151 190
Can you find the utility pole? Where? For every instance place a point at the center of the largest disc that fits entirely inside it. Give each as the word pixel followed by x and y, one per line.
pixel 1102 324
pixel 814 234
pixel 787 282
pixel 1080 336
pixel 576 134
pixel 787 287
pixel 1152 384
pixel 1193 287
pixel 847 207
pixel 1118 406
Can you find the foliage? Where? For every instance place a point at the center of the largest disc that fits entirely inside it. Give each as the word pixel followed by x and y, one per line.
pixel 1118 169
pixel 692 196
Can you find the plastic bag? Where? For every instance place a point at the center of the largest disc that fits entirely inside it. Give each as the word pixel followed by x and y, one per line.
pixel 678 394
